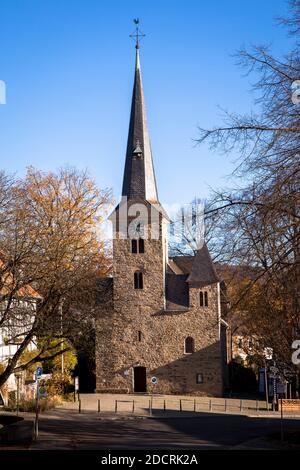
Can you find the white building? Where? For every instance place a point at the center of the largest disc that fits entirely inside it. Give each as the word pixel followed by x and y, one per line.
pixel 19 319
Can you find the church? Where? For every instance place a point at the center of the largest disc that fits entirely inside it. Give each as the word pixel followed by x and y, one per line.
pixel 159 326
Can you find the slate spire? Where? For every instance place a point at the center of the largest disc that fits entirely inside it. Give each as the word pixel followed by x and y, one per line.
pixel 139 178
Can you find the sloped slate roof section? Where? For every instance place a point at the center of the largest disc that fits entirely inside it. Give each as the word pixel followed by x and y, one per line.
pixel 139 177
pixel 203 271
pixel 184 263
pixel 177 292
pixel 173 268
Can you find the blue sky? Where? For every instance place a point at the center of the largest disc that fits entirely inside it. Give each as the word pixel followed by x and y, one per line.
pixel 68 68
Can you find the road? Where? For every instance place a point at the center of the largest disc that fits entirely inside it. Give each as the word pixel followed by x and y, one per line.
pixel 66 429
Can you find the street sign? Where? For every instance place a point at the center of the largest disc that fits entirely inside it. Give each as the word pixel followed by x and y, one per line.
pixel 42 392
pixel 39 372
pixel 76 383
pixel 154 380
pixel 268 353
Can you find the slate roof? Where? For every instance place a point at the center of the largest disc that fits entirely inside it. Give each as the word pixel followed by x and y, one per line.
pixel 177 292
pixel 184 263
pixel 139 177
pixel 200 268
pixel 203 270
pixel 188 271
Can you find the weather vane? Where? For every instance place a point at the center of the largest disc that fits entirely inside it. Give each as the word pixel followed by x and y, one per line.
pixel 137 34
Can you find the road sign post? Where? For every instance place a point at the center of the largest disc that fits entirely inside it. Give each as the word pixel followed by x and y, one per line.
pixel 76 388
pixel 38 374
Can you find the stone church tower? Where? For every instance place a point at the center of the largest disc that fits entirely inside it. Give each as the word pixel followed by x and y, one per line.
pixel 159 322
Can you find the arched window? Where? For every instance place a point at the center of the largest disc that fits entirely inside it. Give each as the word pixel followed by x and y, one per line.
pixel 139 336
pixel 137 246
pixel 141 245
pixel 203 299
pixel 138 280
pixel 133 246
pixel 189 345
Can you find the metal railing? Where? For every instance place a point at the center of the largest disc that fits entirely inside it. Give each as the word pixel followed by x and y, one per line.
pixel 149 405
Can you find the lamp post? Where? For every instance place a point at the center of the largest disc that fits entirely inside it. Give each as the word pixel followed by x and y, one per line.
pixel 268 354
pixel 18 377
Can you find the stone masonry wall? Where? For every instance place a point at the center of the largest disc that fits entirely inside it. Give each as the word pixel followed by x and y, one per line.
pixel 161 349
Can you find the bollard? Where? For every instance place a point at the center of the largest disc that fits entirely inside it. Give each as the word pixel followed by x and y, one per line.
pixel 116 406
pixel 99 406
pixel 241 405
pixel 79 405
pixel 225 404
pixel 256 405
pixel 164 405
pixel 150 409
pixel 132 406
pixel 180 405
pixel 210 405
pixel 194 405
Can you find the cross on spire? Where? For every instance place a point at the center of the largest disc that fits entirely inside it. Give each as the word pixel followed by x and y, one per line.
pixel 137 34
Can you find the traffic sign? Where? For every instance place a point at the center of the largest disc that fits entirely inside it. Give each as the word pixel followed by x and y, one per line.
pixel 76 383
pixel 154 380
pixel 39 372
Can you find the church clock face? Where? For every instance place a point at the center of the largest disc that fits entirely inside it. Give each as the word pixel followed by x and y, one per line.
pixel 136 229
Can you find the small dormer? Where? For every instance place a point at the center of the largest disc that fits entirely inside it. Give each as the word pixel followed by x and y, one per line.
pixel 137 151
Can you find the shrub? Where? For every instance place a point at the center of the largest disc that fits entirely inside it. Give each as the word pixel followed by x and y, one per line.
pixel 29 405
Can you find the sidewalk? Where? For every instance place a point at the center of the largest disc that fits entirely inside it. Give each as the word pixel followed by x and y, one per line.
pixel 168 406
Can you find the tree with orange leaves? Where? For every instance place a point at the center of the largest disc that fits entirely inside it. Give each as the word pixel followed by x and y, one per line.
pixel 52 253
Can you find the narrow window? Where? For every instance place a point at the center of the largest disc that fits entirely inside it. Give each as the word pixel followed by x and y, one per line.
pixel 133 246
pixel 199 378
pixel 189 345
pixel 141 245
pixel 205 299
pixel 137 245
pixel 139 336
pixel 138 280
